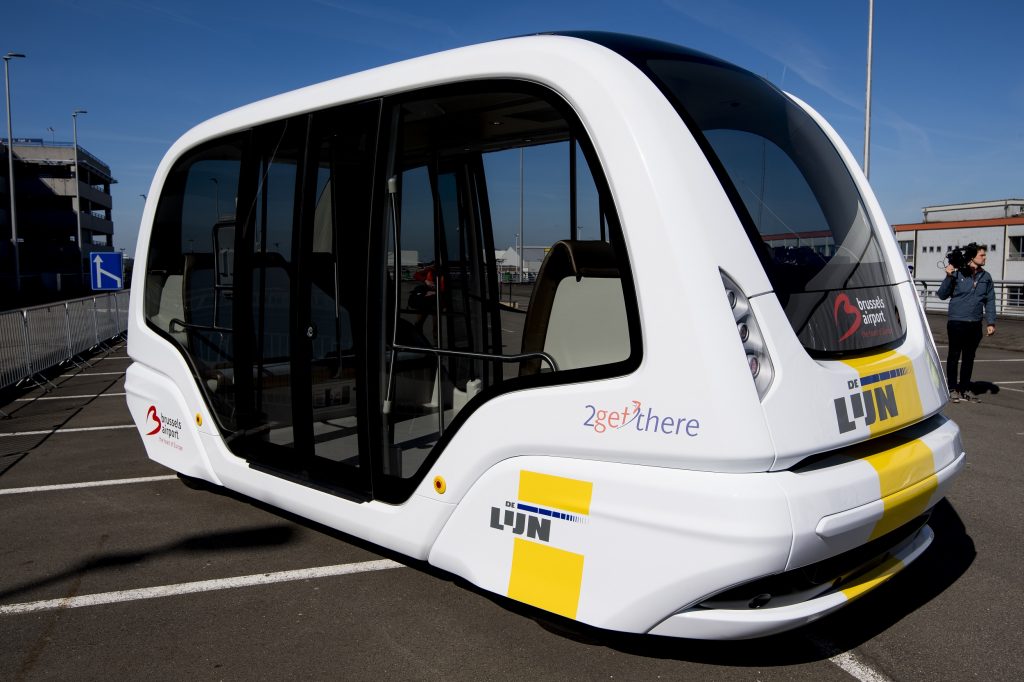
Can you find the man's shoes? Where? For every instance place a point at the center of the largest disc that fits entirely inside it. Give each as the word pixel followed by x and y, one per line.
pixel 954 396
pixel 969 397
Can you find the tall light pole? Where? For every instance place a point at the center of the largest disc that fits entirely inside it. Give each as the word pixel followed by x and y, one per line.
pixel 216 195
pixel 78 197
pixel 10 170
pixel 519 241
pixel 867 104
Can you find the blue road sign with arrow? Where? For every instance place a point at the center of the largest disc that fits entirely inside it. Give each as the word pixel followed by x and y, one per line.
pixel 106 270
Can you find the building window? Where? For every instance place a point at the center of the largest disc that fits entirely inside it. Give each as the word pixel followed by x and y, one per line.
pixel 1016 248
pixel 907 248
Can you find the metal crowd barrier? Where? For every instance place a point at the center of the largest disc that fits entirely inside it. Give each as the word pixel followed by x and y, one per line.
pixel 32 340
pixel 1009 298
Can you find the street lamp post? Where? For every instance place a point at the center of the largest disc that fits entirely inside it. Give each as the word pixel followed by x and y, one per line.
pixel 10 170
pixel 78 196
pixel 867 103
pixel 216 195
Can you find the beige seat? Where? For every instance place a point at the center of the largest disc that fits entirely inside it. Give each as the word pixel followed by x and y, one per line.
pixel 577 311
pixel 171 306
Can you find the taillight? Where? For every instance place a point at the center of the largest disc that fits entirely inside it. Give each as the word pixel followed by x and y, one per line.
pixel 758 360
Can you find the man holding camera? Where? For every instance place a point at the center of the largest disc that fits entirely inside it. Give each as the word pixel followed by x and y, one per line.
pixel 973 296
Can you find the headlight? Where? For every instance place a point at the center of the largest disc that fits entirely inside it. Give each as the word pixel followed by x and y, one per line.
pixel 760 363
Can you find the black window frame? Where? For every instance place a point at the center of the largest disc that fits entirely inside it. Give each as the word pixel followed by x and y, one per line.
pixel 395 490
pixel 382 487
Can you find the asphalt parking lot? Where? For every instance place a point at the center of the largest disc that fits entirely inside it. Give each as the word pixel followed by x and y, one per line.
pixel 110 567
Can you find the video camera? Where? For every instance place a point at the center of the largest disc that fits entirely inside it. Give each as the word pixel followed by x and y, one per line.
pixel 957 258
pixel 960 256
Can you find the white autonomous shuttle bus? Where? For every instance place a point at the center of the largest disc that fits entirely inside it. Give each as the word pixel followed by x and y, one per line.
pixel 711 409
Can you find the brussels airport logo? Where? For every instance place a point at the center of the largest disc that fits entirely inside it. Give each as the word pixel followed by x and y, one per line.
pixel 869 313
pixel 152 417
pixel 872 400
pixel 166 429
pixel 634 417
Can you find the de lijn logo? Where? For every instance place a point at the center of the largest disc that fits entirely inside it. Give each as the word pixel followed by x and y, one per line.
pixel 541 500
pixel 168 428
pixel 873 400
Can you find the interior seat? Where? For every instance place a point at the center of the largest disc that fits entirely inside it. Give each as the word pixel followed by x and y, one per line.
pixel 577 311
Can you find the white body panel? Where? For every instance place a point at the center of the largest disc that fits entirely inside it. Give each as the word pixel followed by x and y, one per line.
pixel 679 509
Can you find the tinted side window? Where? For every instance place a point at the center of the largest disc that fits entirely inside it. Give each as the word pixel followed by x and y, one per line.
pixel 191 265
pixel 508 267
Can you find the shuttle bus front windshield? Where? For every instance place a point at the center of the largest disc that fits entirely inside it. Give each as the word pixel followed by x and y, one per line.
pixel 804 214
pixel 798 203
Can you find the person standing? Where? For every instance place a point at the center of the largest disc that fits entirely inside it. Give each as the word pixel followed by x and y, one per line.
pixel 972 296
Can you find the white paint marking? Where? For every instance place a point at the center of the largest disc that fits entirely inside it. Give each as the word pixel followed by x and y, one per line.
pixel 66 397
pixel 1002 383
pixel 858 669
pixel 849 662
pixel 200 586
pixel 83 428
pixel 87 484
pixel 116 357
pixel 103 374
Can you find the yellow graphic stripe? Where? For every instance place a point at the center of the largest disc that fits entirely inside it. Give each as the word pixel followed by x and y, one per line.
pixel 566 494
pixel 906 481
pixel 873 578
pixel 546 577
pixel 908 398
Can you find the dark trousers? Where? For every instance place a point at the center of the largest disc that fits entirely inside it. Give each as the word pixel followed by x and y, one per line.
pixel 964 338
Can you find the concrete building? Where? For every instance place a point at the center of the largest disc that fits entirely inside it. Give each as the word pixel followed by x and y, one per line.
pixel 48 197
pixel 999 225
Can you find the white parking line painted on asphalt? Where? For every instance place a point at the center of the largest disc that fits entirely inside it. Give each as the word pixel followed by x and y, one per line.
pixel 115 357
pixel 81 428
pixel 87 484
pixel 857 668
pixel 848 661
pixel 66 397
pixel 102 374
pixel 1000 383
pixel 200 586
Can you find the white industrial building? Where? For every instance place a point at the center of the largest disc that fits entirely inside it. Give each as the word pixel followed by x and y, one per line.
pixel 998 225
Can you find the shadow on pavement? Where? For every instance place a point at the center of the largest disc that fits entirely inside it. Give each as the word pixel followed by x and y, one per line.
pixel 980 387
pixel 950 555
pixel 948 558
pixel 267 536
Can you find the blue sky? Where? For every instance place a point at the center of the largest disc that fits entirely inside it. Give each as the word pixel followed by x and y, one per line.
pixel 948 97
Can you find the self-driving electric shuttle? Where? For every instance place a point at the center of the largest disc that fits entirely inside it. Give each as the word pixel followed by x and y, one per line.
pixel 605 325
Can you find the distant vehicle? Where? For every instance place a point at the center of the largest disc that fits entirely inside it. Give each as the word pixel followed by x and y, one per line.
pixel 719 416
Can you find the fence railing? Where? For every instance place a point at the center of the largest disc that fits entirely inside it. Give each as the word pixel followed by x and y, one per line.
pixel 1009 298
pixel 32 340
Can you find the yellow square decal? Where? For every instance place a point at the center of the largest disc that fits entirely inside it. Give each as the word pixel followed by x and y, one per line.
pixel 546 577
pixel 567 494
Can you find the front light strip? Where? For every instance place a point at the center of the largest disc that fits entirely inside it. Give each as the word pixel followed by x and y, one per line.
pixel 758 360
